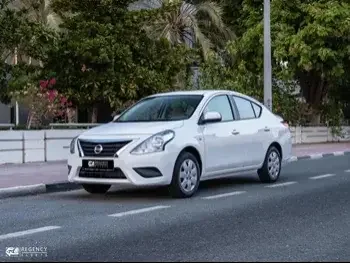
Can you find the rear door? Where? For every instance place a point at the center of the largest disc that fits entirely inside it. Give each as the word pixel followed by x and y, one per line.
pixel 252 129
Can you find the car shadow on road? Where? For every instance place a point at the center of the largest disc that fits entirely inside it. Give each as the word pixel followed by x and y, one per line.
pixel 206 187
pixel 144 194
pixel 228 182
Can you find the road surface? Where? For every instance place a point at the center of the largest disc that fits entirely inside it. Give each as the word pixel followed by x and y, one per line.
pixel 303 217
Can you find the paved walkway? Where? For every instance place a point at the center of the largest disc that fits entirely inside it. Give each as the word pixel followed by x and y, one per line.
pixel 32 173
pixel 12 175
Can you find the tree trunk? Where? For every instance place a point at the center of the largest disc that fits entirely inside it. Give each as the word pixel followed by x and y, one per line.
pixel 94 114
pixel 15 58
pixel 72 115
pixel 29 120
pixel 33 120
pixel 315 119
pixel 314 88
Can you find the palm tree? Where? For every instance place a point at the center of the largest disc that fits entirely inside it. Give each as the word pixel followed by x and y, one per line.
pixel 39 11
pixel 197 24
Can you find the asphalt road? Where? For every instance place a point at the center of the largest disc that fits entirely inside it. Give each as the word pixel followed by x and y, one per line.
pixel 303 217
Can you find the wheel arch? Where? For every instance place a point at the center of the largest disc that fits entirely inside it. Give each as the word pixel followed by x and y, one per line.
pixel 193 150
pixel 278 147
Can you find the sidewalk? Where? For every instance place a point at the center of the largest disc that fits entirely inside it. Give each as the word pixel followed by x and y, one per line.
pixel 320 148
pixel 32 173
pixel 13 175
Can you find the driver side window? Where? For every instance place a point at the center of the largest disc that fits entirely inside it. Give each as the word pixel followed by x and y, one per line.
pixel 220 104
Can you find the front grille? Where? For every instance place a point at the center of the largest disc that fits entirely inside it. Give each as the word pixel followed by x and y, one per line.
pixel 109 149
pixel 116 173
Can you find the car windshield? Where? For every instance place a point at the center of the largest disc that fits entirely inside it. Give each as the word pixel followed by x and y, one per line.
pixel 162 108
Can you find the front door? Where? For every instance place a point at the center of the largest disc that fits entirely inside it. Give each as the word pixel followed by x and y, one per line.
pixel 222 148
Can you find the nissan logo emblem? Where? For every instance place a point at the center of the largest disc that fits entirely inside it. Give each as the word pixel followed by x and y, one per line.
pixel 98 149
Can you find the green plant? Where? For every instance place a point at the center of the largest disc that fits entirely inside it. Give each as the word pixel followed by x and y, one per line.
pixel 43 102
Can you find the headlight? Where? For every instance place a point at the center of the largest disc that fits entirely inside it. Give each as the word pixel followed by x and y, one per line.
pixel 156 143
pixel 72 145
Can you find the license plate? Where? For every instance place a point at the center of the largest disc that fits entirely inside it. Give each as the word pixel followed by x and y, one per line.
pixel 98 165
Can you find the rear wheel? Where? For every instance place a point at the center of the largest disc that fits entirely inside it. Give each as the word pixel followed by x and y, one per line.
pixel 96 188
pixel 186 176
pixel 271 169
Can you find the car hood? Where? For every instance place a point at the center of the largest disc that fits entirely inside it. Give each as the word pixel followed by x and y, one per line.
pixel 133 128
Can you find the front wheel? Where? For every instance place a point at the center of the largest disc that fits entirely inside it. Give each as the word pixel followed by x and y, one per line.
pixel 186 176
pixel 271 169
pixel 96 188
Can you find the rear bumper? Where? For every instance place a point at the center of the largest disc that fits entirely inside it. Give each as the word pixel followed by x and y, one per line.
pixel 287 148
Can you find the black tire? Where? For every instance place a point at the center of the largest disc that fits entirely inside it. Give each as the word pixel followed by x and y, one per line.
pixel 176 189
pixel 264 175
pixel 96 188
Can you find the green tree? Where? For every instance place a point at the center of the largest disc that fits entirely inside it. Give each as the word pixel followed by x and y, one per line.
pixel 311 38
pixel 23 38
pixel 5 71
pixel 32 11
pixel 104 55
pixel 317 50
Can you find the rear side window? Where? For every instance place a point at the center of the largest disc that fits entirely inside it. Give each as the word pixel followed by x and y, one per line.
pixel 257 109
pixel 245 108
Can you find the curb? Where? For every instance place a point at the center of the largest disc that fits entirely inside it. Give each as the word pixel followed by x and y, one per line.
pixel 318 156
pixel 38 189
pixel 68 186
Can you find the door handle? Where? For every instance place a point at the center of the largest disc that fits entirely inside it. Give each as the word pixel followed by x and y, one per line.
pixel 267 129
pixel 234 132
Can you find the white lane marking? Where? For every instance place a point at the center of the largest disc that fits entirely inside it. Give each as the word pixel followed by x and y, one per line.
pixel 347 171
pixel 338 153
pixel 223 195
pixel 316 156
pixel 321 176
pixel 138 211
pixel 28 232
pixel 281 184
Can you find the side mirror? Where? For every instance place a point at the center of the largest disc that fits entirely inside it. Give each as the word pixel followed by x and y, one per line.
pixel 116 117
pixel 211 116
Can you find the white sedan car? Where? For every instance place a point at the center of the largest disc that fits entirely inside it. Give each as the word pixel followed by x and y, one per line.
pixel 178 139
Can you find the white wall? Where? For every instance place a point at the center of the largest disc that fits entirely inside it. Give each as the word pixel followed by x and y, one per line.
pixel 35 146
pixel 53 145
pixel 318 135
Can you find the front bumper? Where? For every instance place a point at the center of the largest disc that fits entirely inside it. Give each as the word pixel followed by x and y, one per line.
pixel 138 170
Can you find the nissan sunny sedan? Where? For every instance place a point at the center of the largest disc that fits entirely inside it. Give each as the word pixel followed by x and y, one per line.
pixel 178 139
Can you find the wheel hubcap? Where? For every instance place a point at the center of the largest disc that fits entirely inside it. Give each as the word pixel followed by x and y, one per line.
pixel 188 175
pixel 273 165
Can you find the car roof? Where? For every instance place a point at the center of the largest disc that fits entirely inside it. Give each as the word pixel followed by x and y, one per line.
pixel 206 93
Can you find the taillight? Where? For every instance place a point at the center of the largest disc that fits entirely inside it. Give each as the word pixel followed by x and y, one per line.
pixel 285 123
